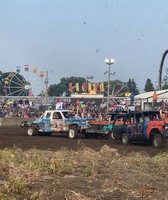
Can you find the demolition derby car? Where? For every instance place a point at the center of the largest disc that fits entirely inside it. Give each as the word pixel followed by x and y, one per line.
pixel 57 121
pixel 141 126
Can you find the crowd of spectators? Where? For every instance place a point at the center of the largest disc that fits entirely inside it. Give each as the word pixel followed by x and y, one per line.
pixel 18 108
pixel 24 107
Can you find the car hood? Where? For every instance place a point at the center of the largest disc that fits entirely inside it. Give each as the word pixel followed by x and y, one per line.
pixel 45 120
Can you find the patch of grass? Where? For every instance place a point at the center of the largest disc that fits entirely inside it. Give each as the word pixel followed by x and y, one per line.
pixel 12 155
pixel 88 170
pixel 161 159
pixel 14 185
pixel 161 163
pixel 61 162
pixel 61 166
pixel 20 171
pixel 138 160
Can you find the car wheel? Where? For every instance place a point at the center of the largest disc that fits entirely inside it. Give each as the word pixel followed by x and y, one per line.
pixel 124 139
pixel 23 123
pixel 111 135
pixel 30 131
pixel 72 132
pixel 157 141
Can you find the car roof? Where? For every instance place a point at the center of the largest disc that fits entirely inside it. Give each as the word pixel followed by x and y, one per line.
pixel 150 112
pixel 138 113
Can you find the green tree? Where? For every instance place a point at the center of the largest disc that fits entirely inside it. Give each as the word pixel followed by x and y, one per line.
pixel 165 80
pixel 132 86
pixel 149 86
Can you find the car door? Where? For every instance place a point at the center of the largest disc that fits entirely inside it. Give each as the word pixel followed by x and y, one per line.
pixel 57 121
pixel 131 128
pixel 139 135
pixel 135 128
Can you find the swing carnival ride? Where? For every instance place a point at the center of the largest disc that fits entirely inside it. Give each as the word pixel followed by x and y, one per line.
pixel 26 81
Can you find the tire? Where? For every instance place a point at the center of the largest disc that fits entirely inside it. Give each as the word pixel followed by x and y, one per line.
pixel 30 131
pixel 72 132
pixel 157 141
pixel 110 135
pixel 25 124
pixel 124 139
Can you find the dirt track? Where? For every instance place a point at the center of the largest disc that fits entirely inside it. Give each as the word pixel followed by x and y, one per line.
pixel 16 136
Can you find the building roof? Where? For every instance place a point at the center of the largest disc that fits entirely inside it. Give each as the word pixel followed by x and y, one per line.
pixel 162 94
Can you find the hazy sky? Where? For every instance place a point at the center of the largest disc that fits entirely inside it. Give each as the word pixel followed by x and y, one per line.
pixel 73 38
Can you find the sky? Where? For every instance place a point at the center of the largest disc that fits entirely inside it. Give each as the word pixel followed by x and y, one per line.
pixel 73 38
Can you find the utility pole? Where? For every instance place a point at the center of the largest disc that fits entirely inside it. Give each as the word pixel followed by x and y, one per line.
pixel 109 62
pixel 46 87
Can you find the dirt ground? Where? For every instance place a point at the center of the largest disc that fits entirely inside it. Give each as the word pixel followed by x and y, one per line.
pixel 16 136
pixel 83 188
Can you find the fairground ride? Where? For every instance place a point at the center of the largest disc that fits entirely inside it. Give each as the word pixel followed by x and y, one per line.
pixel 24 82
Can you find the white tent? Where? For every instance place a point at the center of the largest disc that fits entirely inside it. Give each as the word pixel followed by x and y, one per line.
pixel 146 99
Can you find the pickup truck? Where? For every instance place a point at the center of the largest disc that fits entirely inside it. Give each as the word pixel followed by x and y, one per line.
pixel 57 121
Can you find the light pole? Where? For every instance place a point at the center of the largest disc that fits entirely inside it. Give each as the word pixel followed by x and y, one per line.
pixel 109 62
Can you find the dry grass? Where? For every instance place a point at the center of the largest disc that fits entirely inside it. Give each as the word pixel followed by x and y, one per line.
pixel 83 174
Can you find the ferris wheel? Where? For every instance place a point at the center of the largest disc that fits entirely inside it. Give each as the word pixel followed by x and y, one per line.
pixel 119 89
pixel 25 81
